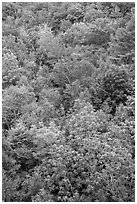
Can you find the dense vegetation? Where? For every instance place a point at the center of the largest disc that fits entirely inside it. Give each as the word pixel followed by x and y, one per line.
pixel 68 102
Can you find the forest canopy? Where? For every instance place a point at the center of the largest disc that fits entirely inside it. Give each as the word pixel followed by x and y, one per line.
pixel 68 101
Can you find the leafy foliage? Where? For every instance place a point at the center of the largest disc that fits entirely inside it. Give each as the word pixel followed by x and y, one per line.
pixel 68 108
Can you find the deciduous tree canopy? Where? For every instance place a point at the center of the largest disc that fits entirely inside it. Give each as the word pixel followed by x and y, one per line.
pixel 68 103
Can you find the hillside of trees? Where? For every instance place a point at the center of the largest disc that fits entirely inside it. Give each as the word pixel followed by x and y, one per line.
pixel 68 102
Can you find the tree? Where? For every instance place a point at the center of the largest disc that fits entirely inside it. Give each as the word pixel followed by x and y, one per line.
pixel 14 99
pixel 68 102
pixel 10 71
pixel 122 46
